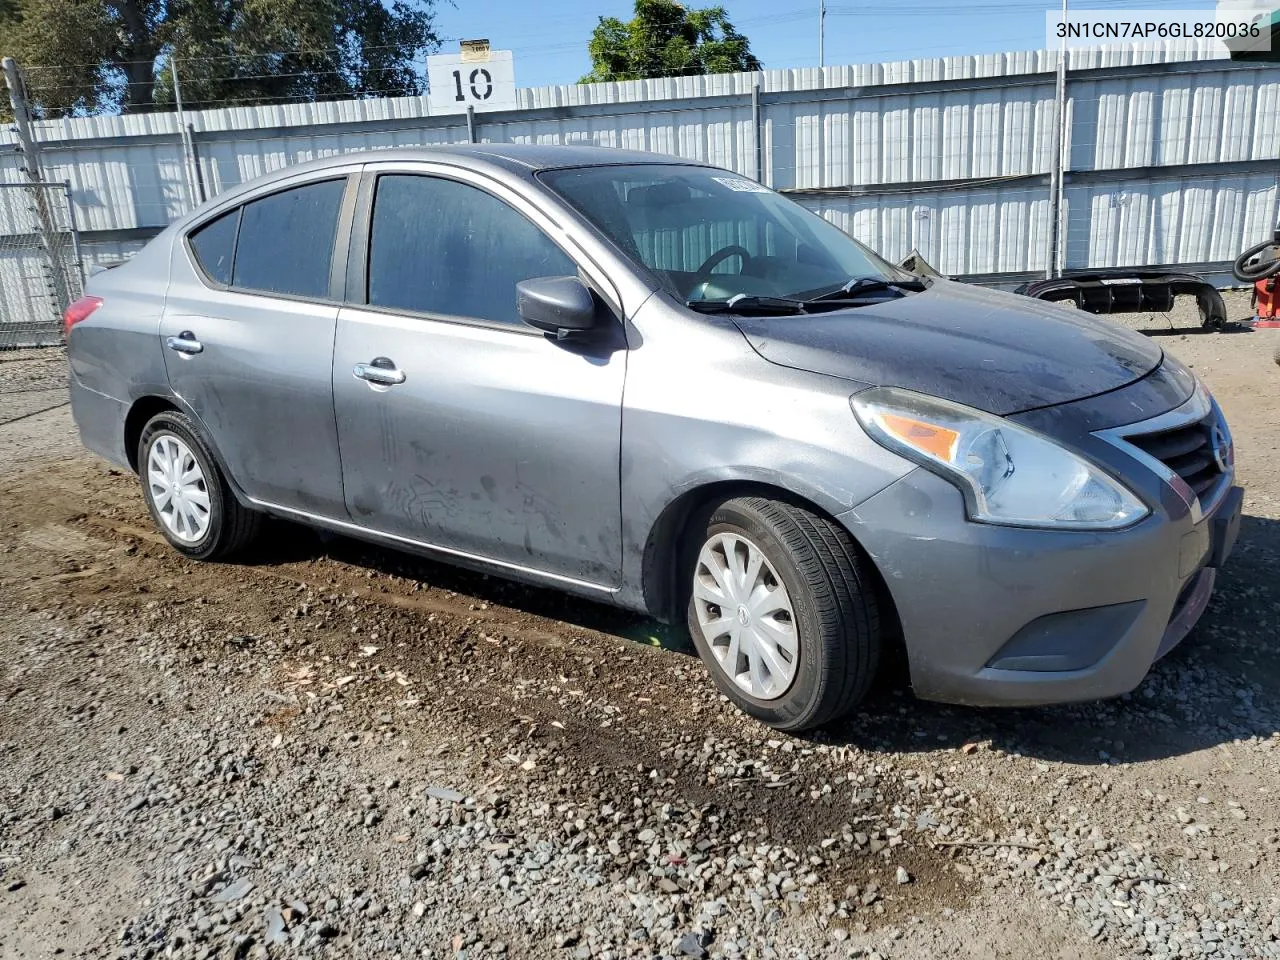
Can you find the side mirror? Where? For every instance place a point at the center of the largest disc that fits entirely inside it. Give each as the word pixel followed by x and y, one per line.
pixel 559 305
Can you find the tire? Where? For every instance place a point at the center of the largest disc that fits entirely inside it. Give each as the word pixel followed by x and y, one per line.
pixel 833 612
pixel 1247 272
pixel 228 527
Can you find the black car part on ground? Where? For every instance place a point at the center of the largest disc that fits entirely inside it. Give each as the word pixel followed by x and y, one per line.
pixel 1130 291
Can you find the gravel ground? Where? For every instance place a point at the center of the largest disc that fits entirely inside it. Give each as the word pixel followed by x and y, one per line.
pixel 31 382
pixel 340 751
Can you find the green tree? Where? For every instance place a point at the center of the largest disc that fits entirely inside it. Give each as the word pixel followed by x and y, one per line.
pixel 86 56
pixel 666 39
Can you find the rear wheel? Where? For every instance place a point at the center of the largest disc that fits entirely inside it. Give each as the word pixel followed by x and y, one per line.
pixel 783 612
pixel 187 494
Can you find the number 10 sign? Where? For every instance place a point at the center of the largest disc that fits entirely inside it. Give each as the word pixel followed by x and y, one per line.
pixel 457 81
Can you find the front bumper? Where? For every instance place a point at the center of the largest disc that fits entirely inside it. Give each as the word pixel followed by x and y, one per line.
pixel 1007 616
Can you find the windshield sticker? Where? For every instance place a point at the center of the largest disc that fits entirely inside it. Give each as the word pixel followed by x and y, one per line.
pixel 742 186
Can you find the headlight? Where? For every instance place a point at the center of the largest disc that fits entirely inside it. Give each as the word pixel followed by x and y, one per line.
pixel 1008 474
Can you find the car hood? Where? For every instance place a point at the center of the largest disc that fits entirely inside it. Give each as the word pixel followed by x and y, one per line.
pixel 999 352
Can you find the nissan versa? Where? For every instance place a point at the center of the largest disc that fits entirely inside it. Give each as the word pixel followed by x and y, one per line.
pixel 659 384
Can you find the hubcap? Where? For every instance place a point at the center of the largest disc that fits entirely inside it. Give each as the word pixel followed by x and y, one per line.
pixel 745 616
pixel 178 488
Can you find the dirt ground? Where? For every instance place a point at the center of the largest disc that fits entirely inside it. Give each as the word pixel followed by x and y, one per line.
pixel 338 750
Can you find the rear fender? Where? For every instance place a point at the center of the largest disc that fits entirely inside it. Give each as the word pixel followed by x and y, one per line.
pixel 143 396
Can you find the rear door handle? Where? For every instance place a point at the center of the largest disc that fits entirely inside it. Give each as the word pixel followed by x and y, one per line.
pixel 185 342
pixel 380 371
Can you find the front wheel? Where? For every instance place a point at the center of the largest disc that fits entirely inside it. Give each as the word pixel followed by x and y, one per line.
pixel 783 611
pixel 186 493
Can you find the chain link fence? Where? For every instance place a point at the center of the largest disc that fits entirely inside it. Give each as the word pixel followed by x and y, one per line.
pixel 40 267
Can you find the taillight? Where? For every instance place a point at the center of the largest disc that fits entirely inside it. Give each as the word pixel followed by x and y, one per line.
pixel 77 312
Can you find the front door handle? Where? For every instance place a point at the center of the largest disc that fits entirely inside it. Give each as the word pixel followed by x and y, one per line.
pixel 380 371
pixel 185 342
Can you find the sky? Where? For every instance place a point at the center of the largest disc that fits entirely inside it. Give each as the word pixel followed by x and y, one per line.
pixel 549 40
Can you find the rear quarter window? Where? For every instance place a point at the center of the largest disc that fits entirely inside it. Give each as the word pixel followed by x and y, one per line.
pixel 214 245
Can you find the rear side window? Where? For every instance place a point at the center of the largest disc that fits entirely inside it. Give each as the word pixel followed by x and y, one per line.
pixel 286 240
pixel 214 244
pixel 443 247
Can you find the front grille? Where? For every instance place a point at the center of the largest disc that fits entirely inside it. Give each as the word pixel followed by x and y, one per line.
pixel 1187 451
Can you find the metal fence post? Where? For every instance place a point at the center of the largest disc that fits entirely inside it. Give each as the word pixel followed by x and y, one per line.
pixel 31 165
pixel 1056 193
pixel 194 193
pixel 22 120
pixel 195 160
pixel 757 126
pixel 1064 141
pixel 75 232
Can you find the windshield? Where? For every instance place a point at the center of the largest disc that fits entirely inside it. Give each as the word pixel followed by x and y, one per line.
pixel 711 235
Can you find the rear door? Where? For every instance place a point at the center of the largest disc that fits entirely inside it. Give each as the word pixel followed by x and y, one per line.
pixel 248 328
pixel 460 426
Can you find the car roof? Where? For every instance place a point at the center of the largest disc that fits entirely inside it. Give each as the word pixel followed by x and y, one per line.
pixel 519 158
pixel 541 156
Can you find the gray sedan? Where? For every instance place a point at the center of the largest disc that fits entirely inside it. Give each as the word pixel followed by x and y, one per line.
pixel 662 385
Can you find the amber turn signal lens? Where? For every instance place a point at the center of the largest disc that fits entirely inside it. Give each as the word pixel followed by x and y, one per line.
pixel 932 439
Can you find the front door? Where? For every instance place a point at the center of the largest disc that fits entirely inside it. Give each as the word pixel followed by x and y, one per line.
pixel 248 333
pixel 460 426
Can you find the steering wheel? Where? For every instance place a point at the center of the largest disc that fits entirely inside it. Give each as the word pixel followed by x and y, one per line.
pixel 703 273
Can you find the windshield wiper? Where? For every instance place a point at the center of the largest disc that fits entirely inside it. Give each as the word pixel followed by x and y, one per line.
pixel 858 285
pixel 746 303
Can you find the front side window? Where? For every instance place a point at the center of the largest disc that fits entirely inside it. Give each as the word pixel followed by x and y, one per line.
pixel 441 247
pixel 710 234
pixel 286 240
